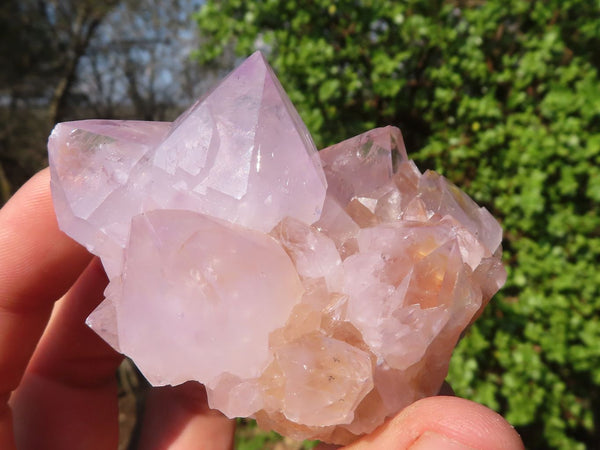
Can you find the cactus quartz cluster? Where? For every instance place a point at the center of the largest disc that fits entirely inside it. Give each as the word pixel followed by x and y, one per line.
pixel 318 292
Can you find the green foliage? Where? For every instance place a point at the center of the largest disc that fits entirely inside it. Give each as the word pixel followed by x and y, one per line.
pixel 503 98
pixel 249 437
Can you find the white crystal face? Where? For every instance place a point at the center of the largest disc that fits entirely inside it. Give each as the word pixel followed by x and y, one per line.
pixel 319 293
pixel 184 274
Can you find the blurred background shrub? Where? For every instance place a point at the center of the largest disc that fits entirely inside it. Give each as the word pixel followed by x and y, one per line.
pixel 503 98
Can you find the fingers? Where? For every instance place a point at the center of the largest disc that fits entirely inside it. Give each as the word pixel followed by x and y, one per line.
pixel 70 352
pixel 439 423
pixel 37 265
pixel 178 418
pixel 69 392
pixel 69 382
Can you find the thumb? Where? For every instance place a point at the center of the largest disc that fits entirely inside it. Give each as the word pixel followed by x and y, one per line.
pixel 443 423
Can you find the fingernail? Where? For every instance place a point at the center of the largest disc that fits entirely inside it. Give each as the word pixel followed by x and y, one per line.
pixel 434 441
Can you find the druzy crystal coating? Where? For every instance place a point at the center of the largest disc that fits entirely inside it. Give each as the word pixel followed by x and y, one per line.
pixel 318 292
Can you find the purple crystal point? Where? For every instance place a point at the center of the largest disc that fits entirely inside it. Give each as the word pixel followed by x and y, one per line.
pixel 253 168
pixel 241 154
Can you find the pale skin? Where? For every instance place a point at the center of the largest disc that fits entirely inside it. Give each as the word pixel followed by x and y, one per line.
pixel 57 378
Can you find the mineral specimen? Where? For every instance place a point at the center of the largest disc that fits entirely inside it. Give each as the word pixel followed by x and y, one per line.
pixel 318 292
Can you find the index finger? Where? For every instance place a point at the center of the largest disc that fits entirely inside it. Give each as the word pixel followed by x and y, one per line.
pixel 38 263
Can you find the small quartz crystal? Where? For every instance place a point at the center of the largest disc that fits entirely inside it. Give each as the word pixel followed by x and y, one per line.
pixel 318 292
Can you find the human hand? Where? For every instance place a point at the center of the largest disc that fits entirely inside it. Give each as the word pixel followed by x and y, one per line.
pixel 57 377
pixel 62 375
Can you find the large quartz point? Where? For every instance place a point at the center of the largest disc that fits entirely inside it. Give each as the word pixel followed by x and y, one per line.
pixel 319 293
pixel 250 168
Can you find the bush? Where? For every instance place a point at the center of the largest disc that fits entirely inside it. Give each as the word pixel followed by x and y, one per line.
pixel 503 98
